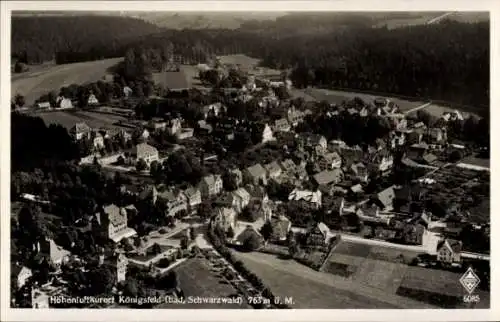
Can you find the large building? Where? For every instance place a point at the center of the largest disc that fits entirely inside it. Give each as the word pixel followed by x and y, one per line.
pixel 111 223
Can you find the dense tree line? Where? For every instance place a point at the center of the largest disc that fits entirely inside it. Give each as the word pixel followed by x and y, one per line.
pixel 34 143
pixel 448 61
pixel 73 39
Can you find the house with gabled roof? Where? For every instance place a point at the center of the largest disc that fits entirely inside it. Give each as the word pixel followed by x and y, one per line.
pixel 280 226
pixel 273 170
pixel 111 222
pixel 225 218
pixel 237 175
pixel 255 174
pixel 43 105
pixel 92 100
pixel 148 192
pixel 328 177
pixel 382 160
pixel 175 199
pixel 80 131
pixel 329 161
pixel 311 197
pixel 316 142
pixel 295 116
pixel 448 251
pixel 97 140
pixel 53 252
pixel 385 198
pixel 117 263
pixel 21 274
pixel 242 198
pixel 193 196
pixel 63 102
pixel 211 185
pixel 429 158
pixel 281 125
pixel 360 172
pixel 146 152
pixel 317 235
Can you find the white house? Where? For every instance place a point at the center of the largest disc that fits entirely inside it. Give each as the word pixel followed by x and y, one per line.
pixel 92 100
pixel 22 274
pixel 267 134
pixel 63 102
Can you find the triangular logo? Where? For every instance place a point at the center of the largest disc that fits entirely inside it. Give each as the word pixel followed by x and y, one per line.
pixel 470 280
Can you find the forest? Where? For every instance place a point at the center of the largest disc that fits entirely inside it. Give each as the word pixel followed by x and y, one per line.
pixel 446 61
pixel 74 39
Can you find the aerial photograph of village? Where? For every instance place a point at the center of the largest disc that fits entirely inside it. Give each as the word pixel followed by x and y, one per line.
pixel 260 160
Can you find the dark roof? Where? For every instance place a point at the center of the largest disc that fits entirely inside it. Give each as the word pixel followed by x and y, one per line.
pixel 454 244
pixel 386 196
pixel 327 177
pixel 280 227
pixel 429 157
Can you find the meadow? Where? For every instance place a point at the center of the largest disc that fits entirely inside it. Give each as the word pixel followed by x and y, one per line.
pixel 40 81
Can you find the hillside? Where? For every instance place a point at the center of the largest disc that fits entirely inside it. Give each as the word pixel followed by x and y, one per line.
pixel 422 18
pixel 67 39
pixel 36 83
pixel 203 20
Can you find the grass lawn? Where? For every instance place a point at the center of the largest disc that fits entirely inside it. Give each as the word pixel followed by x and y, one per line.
pixel 379 274
pixel 239 59
pixel 334 96
pixel 38 82
pixel 196 279
pixel 172 80
pixel 352 249
pixel 68 119
pixel 437 287
pixel 149 255
pixel 340 269
pixel 476 161
pixel 392 255
pixel 308 294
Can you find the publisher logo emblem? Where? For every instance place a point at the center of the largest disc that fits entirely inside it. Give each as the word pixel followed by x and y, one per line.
pixel 470 280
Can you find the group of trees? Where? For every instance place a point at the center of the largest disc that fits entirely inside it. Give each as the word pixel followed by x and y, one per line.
pixel 350 128
pixel 217 238
pixel 180 167
pixel 33 143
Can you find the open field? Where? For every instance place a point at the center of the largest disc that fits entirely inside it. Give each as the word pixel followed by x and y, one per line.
pixel 424 18
pixel 405 22
pixel 197 279
pixel 186 77
pixel 438 287
pixel 69 119
pixel 438 110
pixel 243 60
pixel 476 161
pixel 387 270
pixel 34 84
pixel 309 294
pixel 313 289
pixel 335 96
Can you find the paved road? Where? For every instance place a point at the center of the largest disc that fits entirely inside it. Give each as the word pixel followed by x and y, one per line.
pixel 417 108
pixel 381 243
pixel 438 19
pixel 333 281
